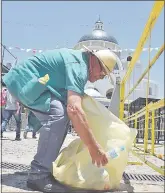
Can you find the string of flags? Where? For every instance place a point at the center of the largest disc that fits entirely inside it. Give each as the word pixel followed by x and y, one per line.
pixel 36 25
pixel 41 50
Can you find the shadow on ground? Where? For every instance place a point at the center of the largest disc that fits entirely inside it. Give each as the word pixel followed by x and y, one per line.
pixel 14 180
pixel 6 139
pixel 18 180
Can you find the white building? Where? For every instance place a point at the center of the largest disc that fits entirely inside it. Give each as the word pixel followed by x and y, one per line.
pixel 99 40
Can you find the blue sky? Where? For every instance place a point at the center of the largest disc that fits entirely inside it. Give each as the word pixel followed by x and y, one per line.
pixel 45 25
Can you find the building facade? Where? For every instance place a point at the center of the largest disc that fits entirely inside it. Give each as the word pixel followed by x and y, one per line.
pixel 99 39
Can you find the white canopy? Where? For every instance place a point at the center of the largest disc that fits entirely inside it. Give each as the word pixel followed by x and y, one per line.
pixel 92 92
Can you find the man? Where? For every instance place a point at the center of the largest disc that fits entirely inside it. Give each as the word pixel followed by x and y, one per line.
pixel 3 97
pixel 3 100
pixel 3 104
pixel 52 84
pixel 12 108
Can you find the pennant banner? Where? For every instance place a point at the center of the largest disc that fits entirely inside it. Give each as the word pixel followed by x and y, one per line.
pixel 40 50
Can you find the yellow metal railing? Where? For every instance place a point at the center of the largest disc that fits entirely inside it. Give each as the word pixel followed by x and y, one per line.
pixel 146 70
pixel 155 12
pixel 152 107
pixel 148 112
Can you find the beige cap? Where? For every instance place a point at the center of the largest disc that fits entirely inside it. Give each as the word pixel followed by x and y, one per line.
pixel 106 57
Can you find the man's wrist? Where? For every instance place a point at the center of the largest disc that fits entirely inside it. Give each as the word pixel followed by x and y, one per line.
pixel 92 145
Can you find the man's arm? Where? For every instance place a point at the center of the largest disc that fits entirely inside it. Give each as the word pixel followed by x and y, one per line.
pixel 80 123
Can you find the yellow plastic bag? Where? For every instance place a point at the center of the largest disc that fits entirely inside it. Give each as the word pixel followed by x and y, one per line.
pixel 74 166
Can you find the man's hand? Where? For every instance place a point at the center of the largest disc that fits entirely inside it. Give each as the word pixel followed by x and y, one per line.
pixel 80 123
pixel 98 155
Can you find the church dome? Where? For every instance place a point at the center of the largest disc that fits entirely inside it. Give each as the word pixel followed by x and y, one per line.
pixel 98 33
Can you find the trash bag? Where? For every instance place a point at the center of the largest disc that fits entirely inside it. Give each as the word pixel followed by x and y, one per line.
pixel 74 166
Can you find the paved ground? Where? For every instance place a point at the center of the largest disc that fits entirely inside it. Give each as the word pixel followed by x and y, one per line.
pixel 22 152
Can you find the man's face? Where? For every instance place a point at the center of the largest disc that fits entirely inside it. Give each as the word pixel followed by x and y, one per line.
pixel 97 71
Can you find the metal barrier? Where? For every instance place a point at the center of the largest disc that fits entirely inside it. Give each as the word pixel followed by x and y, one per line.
pixel 146 118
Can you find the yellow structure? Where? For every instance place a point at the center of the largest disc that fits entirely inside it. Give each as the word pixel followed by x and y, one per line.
pixel 149 110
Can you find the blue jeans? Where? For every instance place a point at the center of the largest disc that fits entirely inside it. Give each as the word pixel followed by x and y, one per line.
pixel 52 134
pixel 7 114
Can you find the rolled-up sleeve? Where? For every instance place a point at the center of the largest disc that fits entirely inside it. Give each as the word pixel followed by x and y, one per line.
pixel 76 77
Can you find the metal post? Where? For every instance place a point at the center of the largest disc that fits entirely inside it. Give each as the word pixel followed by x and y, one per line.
pixel 122 92
pixel 146 131
pixel 138 126
pixel 153 132
pixel 158 125
pixel 135 126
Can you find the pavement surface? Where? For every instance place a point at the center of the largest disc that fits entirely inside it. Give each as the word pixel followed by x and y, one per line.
pixel 22 152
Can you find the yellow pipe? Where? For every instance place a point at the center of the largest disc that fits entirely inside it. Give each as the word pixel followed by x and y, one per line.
pixel 136 116
pixel 157 105
pixel 135 163
pixel 136 128
pixel 146 70
pixel 160 156
pixel 150 117
pixel 142 153
pixel 157 146
pixel 150 106
pixel 122 92
pixel 154 167
pixel 153 132
pixel 146 132
pixel 138 112
pixel 154 14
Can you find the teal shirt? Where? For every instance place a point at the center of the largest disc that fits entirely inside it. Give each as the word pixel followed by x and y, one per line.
pixel 67 70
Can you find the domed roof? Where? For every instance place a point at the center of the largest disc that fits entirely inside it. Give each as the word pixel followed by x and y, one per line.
pixel 98 34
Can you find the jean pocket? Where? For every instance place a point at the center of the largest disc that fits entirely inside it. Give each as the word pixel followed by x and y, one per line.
pixel 32 90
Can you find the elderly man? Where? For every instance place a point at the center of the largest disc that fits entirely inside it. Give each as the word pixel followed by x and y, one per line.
pixel 51 85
